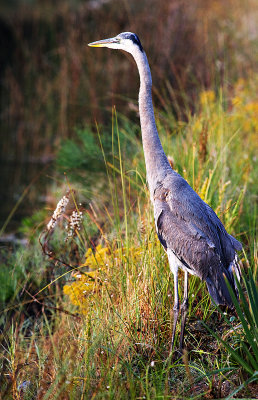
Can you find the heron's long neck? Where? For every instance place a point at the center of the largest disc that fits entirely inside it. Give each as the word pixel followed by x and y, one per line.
pixel 156 161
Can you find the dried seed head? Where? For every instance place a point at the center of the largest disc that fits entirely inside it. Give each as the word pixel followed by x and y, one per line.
pixel 74 224
pixel 142 226
pixel 59 211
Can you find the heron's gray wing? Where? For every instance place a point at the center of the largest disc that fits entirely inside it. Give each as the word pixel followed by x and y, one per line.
pixel 185 203
pixel 189 227
pixel 190 245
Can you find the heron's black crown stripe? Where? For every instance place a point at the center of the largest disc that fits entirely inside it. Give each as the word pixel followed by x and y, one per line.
pixel 135 39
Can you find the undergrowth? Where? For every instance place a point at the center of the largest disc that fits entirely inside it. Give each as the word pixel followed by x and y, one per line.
pixel 103 322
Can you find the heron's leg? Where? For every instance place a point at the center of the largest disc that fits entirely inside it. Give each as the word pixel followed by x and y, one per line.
pixel 184 310
pixel 176 307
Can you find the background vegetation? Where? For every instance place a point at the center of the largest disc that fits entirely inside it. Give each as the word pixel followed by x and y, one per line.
pixel 52 83
pixel 86 314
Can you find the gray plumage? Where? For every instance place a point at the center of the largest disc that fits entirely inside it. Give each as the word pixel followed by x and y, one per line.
pixel 189 227
pixel 189 230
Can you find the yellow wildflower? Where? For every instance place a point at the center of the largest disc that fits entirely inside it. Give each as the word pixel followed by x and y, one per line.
pixel 237 101
pixel 207 97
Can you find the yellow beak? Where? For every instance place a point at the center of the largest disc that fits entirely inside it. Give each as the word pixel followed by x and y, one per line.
pixel 103 43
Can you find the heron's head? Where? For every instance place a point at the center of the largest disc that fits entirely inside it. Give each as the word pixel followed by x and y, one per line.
pixel 126 41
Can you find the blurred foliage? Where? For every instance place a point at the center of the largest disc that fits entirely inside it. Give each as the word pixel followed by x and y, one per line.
pixel 8 283
pixel 83 153
pixel 83 156
pixel 32 224
pixel 51 81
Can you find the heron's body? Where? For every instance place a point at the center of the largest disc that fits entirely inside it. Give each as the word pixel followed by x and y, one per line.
pixel 189 230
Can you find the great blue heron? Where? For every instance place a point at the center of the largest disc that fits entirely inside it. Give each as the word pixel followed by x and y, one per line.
pixel 188 229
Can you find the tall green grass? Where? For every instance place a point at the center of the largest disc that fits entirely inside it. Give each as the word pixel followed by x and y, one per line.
pixel 108 336
pixel 103 329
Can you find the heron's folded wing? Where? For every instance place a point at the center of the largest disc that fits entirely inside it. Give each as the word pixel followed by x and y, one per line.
pixel 191 246
pixel 184 209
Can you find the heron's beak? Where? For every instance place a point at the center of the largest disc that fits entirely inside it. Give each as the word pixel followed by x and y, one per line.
pixel 103 43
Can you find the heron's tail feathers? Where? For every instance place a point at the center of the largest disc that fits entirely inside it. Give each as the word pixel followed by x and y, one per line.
pixel 236 244
pixel 217 286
